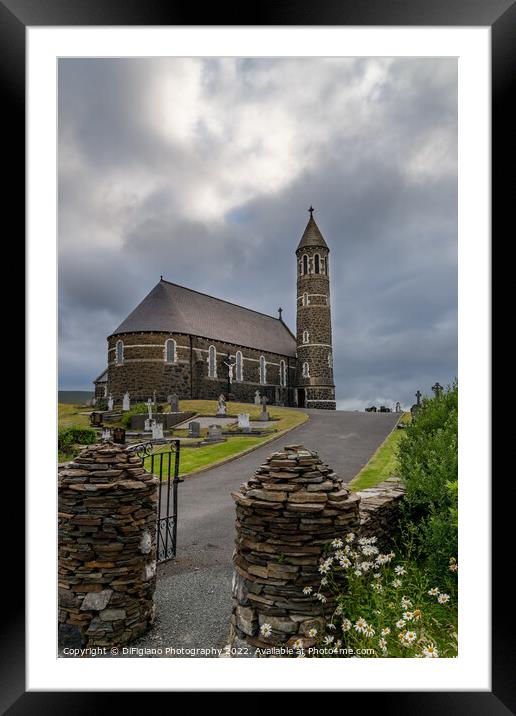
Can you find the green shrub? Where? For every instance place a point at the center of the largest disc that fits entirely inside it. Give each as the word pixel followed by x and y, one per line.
pixel 75 435
pixel 428 461
pixel 135 409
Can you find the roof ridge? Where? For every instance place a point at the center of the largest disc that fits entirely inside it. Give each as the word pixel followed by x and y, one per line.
pixel 222 300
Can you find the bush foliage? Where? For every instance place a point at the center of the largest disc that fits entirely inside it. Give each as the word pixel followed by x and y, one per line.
pixel 135 409
pixel 428 462
pixel 75 435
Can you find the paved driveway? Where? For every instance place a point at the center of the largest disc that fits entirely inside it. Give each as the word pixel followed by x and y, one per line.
pixel 194 591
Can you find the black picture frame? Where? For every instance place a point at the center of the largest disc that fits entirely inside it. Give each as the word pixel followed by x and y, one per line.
pixel 500 15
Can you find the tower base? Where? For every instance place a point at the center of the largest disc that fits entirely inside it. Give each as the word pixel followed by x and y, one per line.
pixel 321 397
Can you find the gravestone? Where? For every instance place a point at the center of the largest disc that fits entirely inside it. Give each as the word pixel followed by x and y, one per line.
pixel 214 434
pixel 126 402
pixel 157 430
pixel 437 389
pixel 416 407
pixel 398 407
pixel 147 427
pixel 110 402
pixel 264 415
pixel 243 422
pixel 106 434
pixel 119 436
pixel 257 398
pixel 194 429
pixel 96 419
pixel 174 403
pixel 221 407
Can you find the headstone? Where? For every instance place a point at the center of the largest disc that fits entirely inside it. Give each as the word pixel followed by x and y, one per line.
pixel 126 402
pixel 221 407
pixel 174 403
pixel 437 388
pixel 398 407
pixel 147 427
pixel 119 436
pixel 194 429
pixel 243 422
pixel 214 433
pixel 157 430
pixel 110 402
pixel 96 419
pixel 106 434
pixel 264 415
pixel 257 398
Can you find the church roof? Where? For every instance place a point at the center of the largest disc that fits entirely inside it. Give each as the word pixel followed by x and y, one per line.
pixel 312 235
pixel 102 378
pixel 176 309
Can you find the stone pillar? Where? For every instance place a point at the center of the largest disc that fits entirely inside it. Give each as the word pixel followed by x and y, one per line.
pixel 107 547
pixel 287 512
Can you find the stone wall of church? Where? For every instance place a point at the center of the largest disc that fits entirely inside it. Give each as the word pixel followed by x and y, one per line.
pixel 144 370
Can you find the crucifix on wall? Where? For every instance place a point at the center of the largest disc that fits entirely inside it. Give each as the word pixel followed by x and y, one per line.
pixel 230 366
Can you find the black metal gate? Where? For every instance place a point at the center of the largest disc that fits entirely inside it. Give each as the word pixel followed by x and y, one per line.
pixel 162 459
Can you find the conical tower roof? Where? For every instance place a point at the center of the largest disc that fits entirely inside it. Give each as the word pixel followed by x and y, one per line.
pixel 312 235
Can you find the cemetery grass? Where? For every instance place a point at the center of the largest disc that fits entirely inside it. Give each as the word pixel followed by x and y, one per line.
pixel 383 464
pixel 76 415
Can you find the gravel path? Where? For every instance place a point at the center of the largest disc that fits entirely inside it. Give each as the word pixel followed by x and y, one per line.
pixel 193 595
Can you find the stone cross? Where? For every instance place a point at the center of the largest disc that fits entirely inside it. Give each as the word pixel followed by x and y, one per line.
pixel 398 407
pixel 437 388
pixel 418 397
pixel 154 397
pixel 280 311
pixel 230 371
pixel 149 407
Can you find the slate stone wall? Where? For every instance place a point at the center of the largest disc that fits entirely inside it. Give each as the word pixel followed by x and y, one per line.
pixel 107 514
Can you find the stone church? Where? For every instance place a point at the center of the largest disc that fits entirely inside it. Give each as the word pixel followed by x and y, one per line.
pixel 181 341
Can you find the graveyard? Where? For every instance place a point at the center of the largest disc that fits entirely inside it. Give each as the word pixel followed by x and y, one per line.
pixel 217 438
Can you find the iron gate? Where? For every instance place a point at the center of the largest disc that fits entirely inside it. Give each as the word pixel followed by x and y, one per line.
pixel 162 460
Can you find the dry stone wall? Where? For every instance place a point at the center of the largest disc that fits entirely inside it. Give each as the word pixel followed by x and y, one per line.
pixel 380 511
pixel 287 512
pixel 107 547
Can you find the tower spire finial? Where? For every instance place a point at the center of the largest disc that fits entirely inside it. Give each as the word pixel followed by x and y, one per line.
pixel 311 210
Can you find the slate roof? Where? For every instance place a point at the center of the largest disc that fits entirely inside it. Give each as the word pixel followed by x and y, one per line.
pixel 312 236
pixel 102 377
pixel 176 309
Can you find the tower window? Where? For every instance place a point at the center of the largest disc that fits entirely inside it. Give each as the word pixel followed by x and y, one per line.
pixel 305 264
pixel 212 362
pixel 119 353
pixel 170 351
pixel 306 336
pixel 317 263
pixel 330 357
pixel 283 373
pixel 263 370
pixel 305 299
pixel 323 266
pixel 239 366
pixel 306 370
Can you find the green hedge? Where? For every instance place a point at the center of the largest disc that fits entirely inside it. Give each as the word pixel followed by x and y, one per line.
pixel 428 460
pixel 75 435
pixel 137 408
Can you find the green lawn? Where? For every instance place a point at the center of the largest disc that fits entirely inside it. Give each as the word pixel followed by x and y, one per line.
pixel 383 463
pixel 69 415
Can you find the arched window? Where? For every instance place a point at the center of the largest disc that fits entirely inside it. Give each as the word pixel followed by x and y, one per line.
pixel 306 300
pixel 306 336
pixel 283 373
pixel 317 263
pixel 170 351
pixel 305 263
pixel 263 370
pixel 119 353
pixel 329 359
pixel 323 266
pixel 212 362
pixel 239 366
pixel 306 370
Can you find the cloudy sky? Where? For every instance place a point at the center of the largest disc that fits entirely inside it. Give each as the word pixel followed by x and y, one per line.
pixel 203 170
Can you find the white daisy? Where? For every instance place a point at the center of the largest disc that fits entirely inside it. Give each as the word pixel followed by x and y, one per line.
pixel 369 631
pixel 361 625
pixel 265 630
pixel 408 616
pixel 346 625
pixel 409 636
pixel 382 643
pixel 350 537
pixel 307 590
pixel 400 623
pixel 443 598
pixel 397 583
pixel 399 569
pixel 312 632
pixel 337 543
pixel 345 562
pixel 385 631
pixel 433 592
pixel 328 639
pixel 430 652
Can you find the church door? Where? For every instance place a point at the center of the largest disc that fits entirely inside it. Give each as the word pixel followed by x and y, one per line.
pixel 300 397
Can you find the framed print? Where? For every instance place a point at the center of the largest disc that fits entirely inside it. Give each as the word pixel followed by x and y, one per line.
pixel 258 269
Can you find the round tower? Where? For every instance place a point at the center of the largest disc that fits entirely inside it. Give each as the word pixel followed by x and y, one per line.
pixel 315 387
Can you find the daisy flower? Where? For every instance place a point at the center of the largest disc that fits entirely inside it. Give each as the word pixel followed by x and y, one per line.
pixel 408 616
pixel 307 590
pixel 324 581
pixel 430 652
pixel 331 626
pixel 397 583
pixel 350 537
pixel 382 644
pixel 405 602
pixel 417 614
pixel 346 625
pixel 312 632
pixel 385 631
pixel 328 639
pixel 265 630
pixel 361 625
pixel 337 543
pixel 399 569
pixel 321 597
pixel 409 636
pixel 345 562
pixel 400 623
pixel 443 598
pixel 433 592
pixel 369 631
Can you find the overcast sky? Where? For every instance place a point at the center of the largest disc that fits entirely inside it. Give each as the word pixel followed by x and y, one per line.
pixel 203 170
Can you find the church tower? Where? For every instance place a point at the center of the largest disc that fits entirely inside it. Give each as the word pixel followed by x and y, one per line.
pixel 315 387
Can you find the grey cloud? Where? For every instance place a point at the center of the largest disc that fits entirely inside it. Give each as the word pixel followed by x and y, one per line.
pixel 390 219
